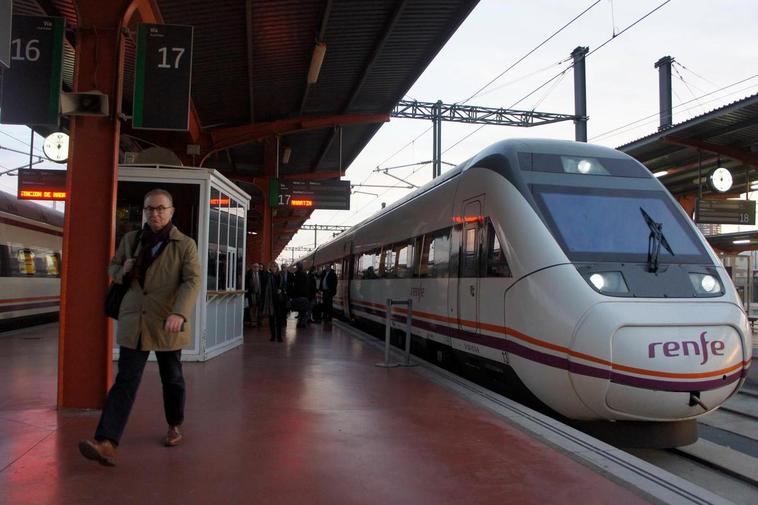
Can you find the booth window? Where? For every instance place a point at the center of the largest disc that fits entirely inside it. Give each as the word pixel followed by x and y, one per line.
pixel 213 226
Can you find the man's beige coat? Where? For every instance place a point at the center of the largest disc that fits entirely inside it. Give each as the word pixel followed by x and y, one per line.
pixel 171 286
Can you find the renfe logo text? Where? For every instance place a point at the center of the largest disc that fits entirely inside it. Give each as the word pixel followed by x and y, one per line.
pixel 673 349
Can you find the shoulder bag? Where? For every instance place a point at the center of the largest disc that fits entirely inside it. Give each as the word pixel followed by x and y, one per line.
pixel 117 291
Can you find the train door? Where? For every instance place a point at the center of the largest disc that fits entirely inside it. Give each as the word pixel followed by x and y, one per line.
pixel 468 277
pixel 347 276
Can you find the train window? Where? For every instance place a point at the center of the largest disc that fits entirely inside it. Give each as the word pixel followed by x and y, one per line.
pixel 471 246
pixel 435 254
pixel 404 254
pixel 497 265
pixel 585 165
pixel 52 265
pixel 26 265
pixel 368 265
pixel 389 261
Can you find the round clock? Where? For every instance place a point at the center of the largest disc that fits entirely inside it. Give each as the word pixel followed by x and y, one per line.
pixel 721 180
pixel 55 147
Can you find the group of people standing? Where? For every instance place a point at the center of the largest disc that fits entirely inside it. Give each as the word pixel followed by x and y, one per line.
pixel 273 293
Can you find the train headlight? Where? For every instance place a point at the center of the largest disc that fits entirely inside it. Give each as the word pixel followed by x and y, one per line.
pixel 705 284
pixel 609 282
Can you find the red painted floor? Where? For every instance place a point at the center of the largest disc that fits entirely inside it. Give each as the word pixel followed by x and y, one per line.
pixel 307 421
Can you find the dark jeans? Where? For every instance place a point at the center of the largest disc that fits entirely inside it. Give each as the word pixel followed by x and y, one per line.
pixel 118 405
pixel 327 307
pixel 275 325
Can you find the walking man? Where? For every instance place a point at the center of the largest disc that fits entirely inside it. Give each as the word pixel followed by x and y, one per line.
pixel 163 279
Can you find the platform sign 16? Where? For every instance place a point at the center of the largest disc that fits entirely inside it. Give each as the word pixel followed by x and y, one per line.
pixel 6 7
pixel 32 84
pixel 163 77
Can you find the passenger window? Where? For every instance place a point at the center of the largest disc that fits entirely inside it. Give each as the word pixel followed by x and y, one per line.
pixel 26 264
pixel 470 251
pixel 435 254
pixel 404 254
pixel 497 265
pixel 389 262
pixel 53 265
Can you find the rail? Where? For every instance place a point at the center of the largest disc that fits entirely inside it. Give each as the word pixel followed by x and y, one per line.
pixel 388 331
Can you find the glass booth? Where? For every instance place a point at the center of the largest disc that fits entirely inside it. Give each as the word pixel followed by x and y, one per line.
pixel 213 211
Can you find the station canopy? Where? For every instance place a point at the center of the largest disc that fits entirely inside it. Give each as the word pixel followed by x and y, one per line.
pixel 250 82
pixel 689 151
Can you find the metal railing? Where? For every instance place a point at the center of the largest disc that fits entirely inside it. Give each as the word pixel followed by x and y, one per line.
pixel 388 331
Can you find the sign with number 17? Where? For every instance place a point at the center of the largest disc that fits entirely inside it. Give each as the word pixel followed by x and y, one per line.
pixel 163 77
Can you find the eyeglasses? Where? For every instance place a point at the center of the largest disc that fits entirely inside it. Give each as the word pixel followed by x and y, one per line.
pixel 160 209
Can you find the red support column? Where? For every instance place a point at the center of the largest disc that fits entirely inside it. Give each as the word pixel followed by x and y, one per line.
pixel 84 349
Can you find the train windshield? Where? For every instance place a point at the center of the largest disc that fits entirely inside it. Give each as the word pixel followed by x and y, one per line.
pixel 593 224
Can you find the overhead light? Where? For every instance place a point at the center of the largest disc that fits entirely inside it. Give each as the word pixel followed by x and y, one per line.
pixel 319 50
pixel 661 173
pixel 741 241
pixel 754 184
pixel 286 155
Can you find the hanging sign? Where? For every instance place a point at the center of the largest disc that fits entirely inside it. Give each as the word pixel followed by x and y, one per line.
pixel 328 195
pixel 725 212
pixel 163 76
pixel 32 86
pixel 41 184
pixel 6 6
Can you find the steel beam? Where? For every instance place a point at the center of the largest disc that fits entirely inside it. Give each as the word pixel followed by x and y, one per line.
pixel 473 114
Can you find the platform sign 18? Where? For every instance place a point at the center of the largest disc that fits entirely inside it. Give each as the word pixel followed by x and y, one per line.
pixel 32 84
pixel 725 212
pixel 163 77
pixel 6 7
pixel 329 195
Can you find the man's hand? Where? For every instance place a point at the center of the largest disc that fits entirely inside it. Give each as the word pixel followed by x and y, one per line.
pixel 173 323
pixel 128 265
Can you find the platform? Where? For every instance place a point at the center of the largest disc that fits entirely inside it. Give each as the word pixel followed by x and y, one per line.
pixel 308 421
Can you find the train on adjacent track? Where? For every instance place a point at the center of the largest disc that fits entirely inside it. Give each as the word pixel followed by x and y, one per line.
pixel 30 262
pixel 567 266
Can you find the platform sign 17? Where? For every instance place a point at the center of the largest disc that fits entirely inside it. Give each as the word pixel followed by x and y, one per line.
pixel 163 74
pixel 32 84
pixel 6 7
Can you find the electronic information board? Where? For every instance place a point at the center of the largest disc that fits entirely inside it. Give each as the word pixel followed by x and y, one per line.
pixel 327 195
pixel 725 212
pixel 41 184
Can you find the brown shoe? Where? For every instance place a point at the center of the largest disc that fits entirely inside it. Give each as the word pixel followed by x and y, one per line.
pixel 103 452
pixel 173 437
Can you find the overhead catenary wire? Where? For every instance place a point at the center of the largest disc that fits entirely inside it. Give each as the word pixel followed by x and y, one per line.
pixel 655 114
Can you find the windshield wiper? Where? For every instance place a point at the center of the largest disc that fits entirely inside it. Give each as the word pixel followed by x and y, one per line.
pixel 654 242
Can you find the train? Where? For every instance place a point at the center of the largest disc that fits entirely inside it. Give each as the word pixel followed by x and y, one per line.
pixel 30 262
pixel 569 268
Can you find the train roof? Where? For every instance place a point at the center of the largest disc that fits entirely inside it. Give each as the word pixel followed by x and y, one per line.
pixel 30 210
pixel 504 148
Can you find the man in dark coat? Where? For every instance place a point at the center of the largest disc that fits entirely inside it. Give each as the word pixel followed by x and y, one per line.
pixel 328 287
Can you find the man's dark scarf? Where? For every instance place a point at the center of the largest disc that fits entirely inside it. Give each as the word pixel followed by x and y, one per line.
pixel 146 257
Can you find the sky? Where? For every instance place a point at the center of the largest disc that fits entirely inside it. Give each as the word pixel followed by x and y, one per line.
pixel 713 43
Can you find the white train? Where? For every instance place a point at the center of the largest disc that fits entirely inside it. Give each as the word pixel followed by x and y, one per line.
pixel 30 262
pixel 565 263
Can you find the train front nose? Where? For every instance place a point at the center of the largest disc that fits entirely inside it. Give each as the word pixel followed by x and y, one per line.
pixel 659 361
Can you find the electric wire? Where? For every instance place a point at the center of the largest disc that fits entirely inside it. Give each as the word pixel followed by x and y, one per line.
pixel 741 81
pixel 531 51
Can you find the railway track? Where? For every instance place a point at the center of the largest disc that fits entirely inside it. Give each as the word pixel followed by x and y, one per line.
pixel 725 458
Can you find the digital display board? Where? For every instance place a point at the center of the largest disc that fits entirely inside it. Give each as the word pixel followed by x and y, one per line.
pixel 163 76
pixel 32 84
pixel 725 212
pixel 327 195
pixel 41 184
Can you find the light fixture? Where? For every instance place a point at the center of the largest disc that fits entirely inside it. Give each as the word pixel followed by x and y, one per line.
pixel 319 51
pixel 741 241
pixel 286 155
pixel 661 173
